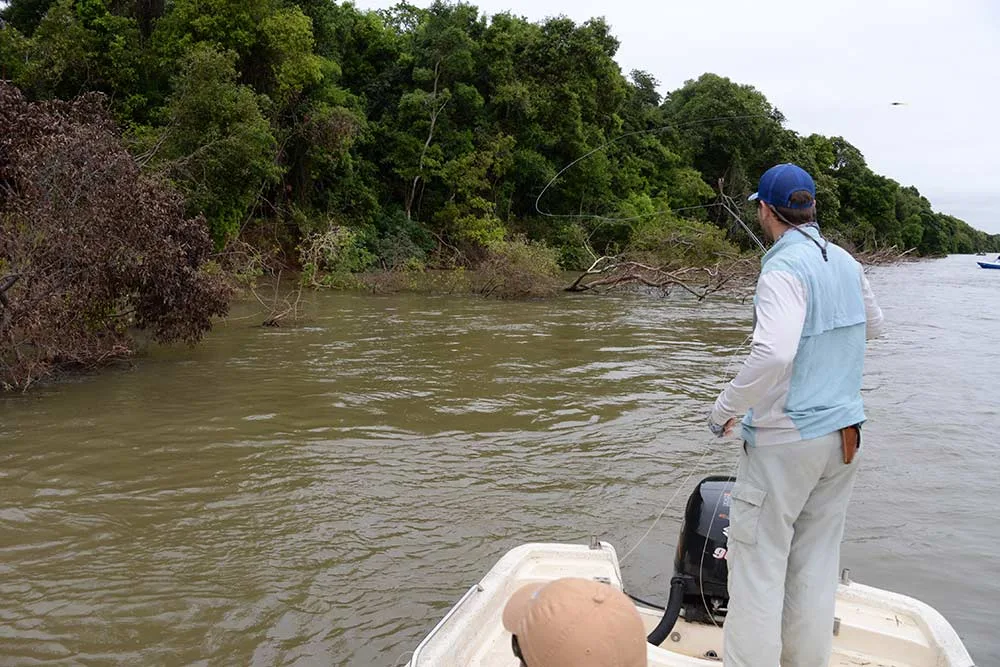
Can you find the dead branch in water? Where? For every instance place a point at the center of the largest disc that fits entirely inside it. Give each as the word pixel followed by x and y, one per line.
pixel 278 309
pixel 890 255
pixel 700 282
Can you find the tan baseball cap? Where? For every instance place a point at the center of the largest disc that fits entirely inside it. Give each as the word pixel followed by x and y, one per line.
pixel 574 622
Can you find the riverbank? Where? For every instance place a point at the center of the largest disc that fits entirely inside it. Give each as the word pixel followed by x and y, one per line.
pixel 733 277
pixel 697 262
pixel 99 239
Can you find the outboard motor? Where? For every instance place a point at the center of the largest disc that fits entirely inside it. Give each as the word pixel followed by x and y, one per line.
pixel 698 587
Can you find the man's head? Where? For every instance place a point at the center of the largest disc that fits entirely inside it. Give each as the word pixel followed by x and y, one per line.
pixel 575 623
pixel 786 195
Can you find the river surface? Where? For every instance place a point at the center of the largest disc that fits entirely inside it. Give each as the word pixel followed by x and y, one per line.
pixel 321 494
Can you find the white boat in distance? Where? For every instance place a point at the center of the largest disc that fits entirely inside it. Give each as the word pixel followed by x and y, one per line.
pixel 872 627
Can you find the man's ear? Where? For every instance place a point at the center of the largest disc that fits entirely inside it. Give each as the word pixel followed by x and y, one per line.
pixel 763 212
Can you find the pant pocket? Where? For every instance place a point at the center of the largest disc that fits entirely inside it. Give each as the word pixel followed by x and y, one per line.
pixel 745 512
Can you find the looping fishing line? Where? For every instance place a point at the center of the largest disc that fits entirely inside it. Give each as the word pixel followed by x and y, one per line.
pixel 711 524
pixel 609 143
pixel 728 204
pixel 604 146
pixel 708 447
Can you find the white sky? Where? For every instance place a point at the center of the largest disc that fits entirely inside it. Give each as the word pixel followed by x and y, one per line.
pixel 833 67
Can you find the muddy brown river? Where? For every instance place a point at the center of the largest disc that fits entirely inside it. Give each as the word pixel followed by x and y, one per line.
pixel 321 493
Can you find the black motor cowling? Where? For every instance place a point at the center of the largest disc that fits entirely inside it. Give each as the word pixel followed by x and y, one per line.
pixel 698 587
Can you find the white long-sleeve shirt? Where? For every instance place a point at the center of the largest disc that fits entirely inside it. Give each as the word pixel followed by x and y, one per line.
pixel 803 373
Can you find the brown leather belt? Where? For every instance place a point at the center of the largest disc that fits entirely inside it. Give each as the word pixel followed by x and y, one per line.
pixel 850 441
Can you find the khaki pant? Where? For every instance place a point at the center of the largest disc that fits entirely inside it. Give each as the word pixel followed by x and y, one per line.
pixel 786 524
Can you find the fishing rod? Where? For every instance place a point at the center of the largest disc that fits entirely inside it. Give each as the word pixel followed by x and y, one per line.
pixel 730 205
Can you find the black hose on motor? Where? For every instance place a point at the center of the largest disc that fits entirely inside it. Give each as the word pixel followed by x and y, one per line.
pixel 670 614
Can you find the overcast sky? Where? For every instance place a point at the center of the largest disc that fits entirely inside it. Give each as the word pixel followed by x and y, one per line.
pixel 834 67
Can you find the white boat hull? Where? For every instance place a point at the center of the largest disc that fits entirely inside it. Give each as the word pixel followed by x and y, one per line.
pixel 874 628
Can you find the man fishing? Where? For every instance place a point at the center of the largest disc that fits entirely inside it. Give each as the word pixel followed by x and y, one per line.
pixel 800 392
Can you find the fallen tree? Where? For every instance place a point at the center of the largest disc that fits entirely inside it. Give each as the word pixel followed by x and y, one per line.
pixel 91 250
pixel 734 275
pixel 888 255
pixel 668 253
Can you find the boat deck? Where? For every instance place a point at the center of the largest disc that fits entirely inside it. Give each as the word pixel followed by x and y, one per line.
pixel 876 628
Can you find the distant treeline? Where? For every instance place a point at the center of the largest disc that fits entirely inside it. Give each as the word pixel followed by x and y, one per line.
pixel 418 133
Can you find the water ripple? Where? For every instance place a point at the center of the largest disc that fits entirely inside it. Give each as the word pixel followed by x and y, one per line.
pixel 322 494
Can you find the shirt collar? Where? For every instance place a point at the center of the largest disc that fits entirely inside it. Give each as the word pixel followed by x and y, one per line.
pixel 791 237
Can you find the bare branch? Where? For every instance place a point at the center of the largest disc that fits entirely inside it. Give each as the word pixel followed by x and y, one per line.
pixel 615 273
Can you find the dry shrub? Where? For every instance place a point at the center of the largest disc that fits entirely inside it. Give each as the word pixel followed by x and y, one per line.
pixel 519 269
pixel 669 243
pixel 89 246
pixel 331 258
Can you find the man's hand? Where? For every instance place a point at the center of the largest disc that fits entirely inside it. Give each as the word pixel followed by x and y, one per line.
pixel 723 430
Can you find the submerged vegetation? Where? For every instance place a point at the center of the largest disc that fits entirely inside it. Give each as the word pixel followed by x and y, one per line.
pixel 90 246
pixel 362 148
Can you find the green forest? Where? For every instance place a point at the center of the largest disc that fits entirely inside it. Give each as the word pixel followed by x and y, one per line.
pixel 411 127
pixel 337 141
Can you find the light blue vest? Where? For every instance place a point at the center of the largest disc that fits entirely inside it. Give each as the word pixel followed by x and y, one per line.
pixel 825 390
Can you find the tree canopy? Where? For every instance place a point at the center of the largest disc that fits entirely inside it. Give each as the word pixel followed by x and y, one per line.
pixel 423 129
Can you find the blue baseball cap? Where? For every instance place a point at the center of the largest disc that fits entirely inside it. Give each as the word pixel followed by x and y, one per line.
pixel 780 182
